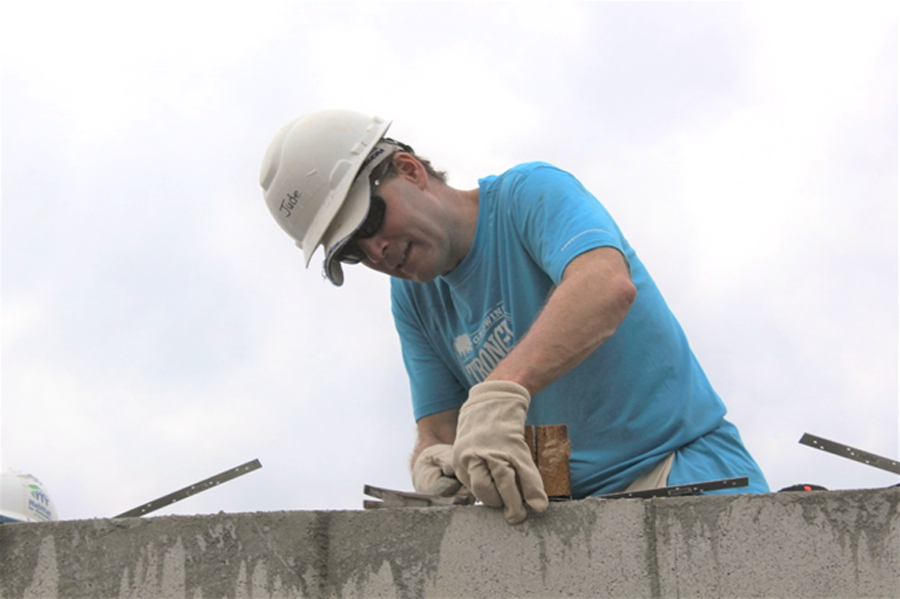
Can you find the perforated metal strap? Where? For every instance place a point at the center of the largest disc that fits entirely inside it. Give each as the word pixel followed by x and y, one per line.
pixel 851 453
pixel 680 490
pixel 195 488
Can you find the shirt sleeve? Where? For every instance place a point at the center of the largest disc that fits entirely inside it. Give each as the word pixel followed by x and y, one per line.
pixel 559 219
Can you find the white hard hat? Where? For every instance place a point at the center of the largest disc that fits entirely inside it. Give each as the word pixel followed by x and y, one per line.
pixel 23 498
pixel 310 183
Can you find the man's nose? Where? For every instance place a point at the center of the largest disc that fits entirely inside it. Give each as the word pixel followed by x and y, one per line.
pixel 374 247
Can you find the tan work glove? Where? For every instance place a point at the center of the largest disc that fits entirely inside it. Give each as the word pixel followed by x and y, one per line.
pixel 490 455
pixel 433 472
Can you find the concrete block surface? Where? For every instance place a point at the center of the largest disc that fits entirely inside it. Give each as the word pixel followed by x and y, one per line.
pixel 818 544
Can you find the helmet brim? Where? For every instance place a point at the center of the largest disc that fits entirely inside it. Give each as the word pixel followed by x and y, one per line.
pixel 348 220
pixel 353 212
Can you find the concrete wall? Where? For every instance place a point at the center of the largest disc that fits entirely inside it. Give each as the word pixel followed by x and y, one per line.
pixel 820 544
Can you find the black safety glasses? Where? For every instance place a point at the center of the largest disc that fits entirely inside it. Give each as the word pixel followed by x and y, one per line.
pixel 351 253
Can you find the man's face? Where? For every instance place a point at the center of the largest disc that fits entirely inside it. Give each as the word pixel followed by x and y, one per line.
pixel 413 241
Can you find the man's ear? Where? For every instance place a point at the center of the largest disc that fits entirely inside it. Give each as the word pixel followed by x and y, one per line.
pixel 410 168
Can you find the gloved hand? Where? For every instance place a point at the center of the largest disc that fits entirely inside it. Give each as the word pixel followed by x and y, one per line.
pixel 490 455
pixel 433 472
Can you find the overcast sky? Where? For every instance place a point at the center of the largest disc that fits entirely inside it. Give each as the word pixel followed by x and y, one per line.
pixel 158 327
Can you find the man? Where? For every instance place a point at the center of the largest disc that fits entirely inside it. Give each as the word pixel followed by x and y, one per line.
pixel 519 302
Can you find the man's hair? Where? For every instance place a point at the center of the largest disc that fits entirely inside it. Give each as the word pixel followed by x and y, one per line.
pixel 391 170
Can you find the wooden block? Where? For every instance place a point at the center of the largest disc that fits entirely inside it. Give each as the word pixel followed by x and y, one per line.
pixel 550 450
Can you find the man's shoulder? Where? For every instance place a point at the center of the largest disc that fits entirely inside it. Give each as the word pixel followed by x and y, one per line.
pixel 527 173
pixel 526 169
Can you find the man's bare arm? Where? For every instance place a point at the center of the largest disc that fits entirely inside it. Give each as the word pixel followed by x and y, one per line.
pixel 584 311
pixel 590 303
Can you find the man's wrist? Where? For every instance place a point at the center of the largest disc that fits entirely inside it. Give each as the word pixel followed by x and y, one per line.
pixel 493 389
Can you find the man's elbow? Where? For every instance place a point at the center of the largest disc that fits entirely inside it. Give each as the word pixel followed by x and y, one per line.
pixel 627 294
pixel 622 298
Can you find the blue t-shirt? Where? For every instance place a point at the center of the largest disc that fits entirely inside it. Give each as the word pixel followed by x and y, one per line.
pixel 636 399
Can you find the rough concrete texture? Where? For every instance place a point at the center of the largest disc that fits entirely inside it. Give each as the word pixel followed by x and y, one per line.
pixel 820 544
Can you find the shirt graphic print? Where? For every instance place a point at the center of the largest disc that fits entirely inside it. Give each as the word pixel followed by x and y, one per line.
pixel 480 351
